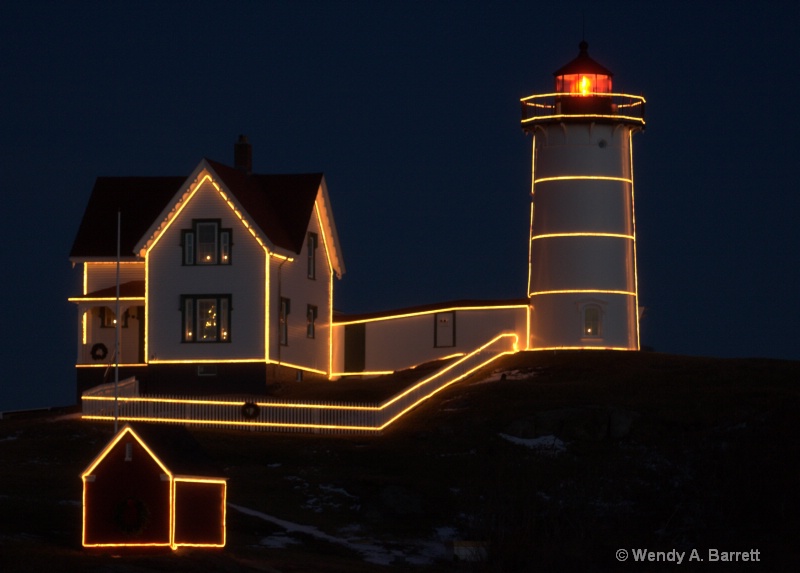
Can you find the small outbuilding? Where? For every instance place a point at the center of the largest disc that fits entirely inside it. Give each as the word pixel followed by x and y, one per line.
pixel 151 487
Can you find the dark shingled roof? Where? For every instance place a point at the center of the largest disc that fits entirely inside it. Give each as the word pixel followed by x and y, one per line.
pixel 139 199
pixel 127 289
pixel 583 64
pixel 280 204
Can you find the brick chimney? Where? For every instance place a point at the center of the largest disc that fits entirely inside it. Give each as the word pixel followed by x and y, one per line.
pixel 243 155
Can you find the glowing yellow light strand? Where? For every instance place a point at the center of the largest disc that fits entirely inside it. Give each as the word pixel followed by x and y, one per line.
pixel 583 177
pixel 560 235
pixel 378 408
pixel 583 291
pixel 432 311
pixel 173 480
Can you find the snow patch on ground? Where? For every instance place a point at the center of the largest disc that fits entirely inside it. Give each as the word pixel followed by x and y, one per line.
pixel 338 490
pixel 543 444
pixel 415 552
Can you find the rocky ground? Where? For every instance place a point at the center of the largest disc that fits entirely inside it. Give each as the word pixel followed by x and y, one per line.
pixel 547 461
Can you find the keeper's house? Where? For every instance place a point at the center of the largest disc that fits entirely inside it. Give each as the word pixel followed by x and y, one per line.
pixel 226 279
pixel 226 287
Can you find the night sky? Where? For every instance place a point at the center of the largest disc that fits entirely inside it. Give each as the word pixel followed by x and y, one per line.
pixel 411 109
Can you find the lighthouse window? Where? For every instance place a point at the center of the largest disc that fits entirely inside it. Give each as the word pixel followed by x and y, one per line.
pixel 591 321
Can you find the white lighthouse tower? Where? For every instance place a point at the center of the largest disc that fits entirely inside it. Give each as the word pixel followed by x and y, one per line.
pixel 582 279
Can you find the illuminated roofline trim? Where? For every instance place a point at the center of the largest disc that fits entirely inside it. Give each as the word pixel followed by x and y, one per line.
pixel 434 311
pixel 582 291
pixel 324 233
pixel 126 430
pixel 113 263
pixel 103 365
pixel 79 299
pixel 206 360
pixel 615 348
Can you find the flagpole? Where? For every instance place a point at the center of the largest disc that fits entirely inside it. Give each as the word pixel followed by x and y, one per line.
pixel 116 332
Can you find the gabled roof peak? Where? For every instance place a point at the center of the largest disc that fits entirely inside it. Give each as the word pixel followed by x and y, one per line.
pixel 281 205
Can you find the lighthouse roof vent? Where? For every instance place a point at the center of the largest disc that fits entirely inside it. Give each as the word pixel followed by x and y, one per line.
pixel 583 64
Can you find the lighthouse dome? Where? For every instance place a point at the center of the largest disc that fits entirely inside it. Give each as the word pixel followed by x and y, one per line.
pixel 583 75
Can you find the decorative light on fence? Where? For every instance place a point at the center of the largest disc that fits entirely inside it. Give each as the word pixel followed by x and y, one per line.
pixel 377 409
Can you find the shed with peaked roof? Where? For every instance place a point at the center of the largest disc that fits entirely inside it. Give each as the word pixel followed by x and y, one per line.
pixel 158 491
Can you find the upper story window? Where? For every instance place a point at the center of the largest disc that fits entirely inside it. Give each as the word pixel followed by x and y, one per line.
pixel 206 243
pixel 312 243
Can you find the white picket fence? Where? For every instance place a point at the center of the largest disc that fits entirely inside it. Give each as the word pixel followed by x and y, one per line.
pixel 128 387
pixel 290 416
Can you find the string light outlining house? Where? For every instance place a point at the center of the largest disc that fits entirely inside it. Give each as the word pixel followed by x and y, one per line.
pixel 228 276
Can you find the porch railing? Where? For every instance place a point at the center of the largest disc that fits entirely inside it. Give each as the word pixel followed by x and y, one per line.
pixel 291 416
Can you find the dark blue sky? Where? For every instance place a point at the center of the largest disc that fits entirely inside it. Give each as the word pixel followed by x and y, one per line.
pixel 412 111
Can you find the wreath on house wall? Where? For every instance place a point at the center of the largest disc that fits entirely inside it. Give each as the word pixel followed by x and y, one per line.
pixel 99 351
pixel 132 516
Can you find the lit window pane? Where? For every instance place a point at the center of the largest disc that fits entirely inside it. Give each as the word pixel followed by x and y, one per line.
pixel 187 319
pixel 207 243
pixel 591 322
pixel 225 247
pixel 207 320
pixel 224 327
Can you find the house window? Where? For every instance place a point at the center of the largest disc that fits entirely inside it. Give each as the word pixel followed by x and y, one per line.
pixel 129 452
pixel 311 320
pixel 591 321
pixel 444 333
pixel 313 241
pixel 206 318
pixel 283 319
pixel 206 243
pixel 108 318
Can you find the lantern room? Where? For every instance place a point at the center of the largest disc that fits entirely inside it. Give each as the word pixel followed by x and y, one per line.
pixel 581 85
pixel 583 76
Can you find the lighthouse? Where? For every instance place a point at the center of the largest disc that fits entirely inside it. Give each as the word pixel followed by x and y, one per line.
pixel 582 280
